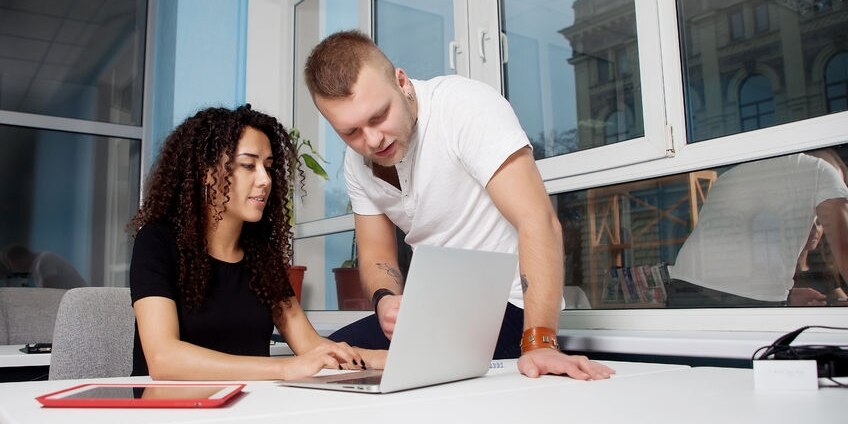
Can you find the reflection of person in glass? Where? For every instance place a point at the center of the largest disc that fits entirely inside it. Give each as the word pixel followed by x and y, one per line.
pixel 40 269
pixel 447 162
pixel 212 242
pixel 753 228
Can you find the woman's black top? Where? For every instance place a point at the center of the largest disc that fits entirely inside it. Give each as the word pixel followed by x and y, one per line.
pixel 231 318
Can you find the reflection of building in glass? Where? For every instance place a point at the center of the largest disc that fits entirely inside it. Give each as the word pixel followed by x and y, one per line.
pixel 754 64
pixel 606 68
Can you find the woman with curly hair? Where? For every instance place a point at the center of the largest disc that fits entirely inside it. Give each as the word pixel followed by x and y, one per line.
pixel 212 243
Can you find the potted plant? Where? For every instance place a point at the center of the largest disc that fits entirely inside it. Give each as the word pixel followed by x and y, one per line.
pixel 348 287
pixel 309 157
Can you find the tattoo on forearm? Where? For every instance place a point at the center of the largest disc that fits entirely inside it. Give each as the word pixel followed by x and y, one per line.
pixel 524 283
pixel 393 272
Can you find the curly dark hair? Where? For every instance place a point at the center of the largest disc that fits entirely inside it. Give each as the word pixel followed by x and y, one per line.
pixel 177 194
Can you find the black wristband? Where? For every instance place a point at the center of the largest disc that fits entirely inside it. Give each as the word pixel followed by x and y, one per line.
pixel 379 294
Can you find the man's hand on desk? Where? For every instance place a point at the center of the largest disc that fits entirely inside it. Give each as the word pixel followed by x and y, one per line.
pixel 549 361
pixel 805 296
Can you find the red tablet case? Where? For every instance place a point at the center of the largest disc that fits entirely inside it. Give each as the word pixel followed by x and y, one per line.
pixel 183 402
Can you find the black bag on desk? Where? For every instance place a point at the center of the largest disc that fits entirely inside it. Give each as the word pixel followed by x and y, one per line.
pixel 831 361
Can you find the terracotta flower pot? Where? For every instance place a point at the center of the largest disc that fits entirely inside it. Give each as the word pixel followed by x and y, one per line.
pixel 349 290
pixel 296 279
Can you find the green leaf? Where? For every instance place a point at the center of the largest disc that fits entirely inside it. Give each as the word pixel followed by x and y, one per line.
pixel 308 144
pixel 316 167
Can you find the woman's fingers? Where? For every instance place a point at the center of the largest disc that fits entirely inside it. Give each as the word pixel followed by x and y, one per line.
pixel 344 356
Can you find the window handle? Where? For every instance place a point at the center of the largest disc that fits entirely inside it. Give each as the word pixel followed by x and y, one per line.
pixel 504 48
pixel 453 50
pixel 482 36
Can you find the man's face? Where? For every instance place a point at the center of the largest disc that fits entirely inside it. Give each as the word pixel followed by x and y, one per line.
pixel 377 120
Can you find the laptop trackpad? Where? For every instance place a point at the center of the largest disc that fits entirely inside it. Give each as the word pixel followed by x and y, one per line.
pixel 363 377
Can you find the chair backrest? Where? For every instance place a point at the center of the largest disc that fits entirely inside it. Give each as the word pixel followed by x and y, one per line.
pixel 93 336
pixel 27 314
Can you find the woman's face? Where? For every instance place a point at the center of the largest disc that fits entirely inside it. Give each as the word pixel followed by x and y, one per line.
pixel 814 238
pixel 251 181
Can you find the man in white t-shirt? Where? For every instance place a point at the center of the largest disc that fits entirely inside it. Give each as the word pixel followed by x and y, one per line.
pixel 446 161
pixel 752 228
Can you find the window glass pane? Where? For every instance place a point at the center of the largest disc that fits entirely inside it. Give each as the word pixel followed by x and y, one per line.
pixel 572 65
pixel 425 24
pixel 343 289
pixel 721 237
pixel 761 18
pixel 316 19
pixel 836 81
pixel 66 200
pixel 331 280
pixel 789 61
pixel 755 103
pixel 335 284
pixel 737 25
pixel 82 59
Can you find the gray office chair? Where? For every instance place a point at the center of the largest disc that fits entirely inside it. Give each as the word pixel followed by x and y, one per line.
pixel 93 336
pixel 27 314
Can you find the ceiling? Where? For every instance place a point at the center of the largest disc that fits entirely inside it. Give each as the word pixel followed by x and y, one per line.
pixel 56 54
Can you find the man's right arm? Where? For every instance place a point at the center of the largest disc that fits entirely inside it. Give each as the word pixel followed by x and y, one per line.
pixel 378 265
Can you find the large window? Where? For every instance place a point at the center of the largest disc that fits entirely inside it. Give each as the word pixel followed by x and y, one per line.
pixel 71 90
pixel 637 109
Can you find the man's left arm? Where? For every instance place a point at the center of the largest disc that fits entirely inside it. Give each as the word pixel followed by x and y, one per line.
pixel 833 215
pixel 519 194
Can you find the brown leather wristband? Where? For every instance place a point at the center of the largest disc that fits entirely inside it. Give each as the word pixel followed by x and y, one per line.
pixel 538 338
pixel 379 294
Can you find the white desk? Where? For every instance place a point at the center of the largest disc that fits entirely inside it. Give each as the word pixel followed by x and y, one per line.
pixel 11 356
pixel 640 393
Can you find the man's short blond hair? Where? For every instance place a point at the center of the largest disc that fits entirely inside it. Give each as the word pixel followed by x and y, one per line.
pixel 334 64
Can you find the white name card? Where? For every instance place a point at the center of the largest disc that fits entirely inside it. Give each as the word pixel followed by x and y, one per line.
pixel 771 374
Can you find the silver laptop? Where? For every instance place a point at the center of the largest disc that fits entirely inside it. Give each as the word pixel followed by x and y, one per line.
pixel 447 327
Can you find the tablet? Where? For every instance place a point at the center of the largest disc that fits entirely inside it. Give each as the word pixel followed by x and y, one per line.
pixel 144 395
